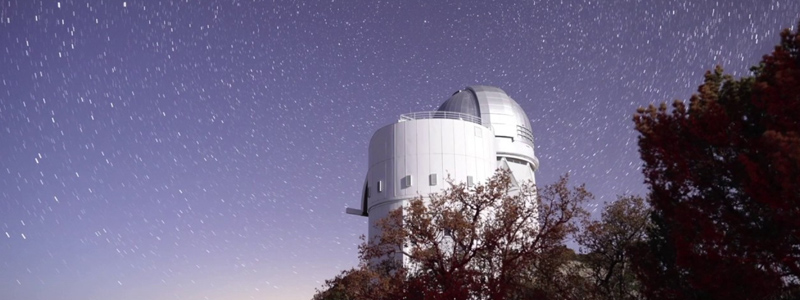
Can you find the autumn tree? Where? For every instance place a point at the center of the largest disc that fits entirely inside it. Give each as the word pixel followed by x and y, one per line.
pixel 608 245
pixel 724 179
pixel 489 241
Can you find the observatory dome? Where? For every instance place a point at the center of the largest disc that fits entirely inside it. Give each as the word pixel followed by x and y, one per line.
pixel 489 103
pixel 502 115
pixel 463 101
pixel 478 130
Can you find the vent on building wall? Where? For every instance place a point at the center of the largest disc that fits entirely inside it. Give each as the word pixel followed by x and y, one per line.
pixel 526 134
pixel 406 181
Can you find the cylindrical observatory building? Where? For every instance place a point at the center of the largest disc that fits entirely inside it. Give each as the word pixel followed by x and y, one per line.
pixel 472 134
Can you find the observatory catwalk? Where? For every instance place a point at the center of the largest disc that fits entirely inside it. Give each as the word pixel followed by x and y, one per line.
pixel 476 131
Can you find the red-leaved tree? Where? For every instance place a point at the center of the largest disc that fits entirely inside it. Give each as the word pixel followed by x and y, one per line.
pixel 724 178
pixel 491 241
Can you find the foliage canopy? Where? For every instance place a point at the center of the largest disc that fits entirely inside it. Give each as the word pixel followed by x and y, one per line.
pixel 485 242
pixel 724 177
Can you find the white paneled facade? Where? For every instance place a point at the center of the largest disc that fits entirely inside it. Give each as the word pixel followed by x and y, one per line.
pixel 473 133
pixel 404 156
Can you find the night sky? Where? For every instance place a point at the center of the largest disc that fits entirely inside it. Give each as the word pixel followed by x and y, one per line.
pixel 207 149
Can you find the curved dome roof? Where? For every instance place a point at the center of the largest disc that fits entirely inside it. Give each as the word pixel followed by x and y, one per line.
pixel 463 101
pixel 491 104
pixel 497 111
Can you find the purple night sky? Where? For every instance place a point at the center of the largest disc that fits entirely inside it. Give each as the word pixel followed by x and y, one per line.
pixel 185 149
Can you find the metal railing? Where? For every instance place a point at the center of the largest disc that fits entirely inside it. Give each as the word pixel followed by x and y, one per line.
pixel 440 115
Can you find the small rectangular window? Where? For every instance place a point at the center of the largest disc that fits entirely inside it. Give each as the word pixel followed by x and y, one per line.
pixel 432 179
pixel 470 182
pixel 380 186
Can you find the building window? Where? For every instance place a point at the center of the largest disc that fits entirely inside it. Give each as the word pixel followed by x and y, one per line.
pixel 380 186
pixel 432 179
pixel 470 181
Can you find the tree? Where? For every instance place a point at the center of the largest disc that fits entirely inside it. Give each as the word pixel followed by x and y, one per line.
pixel 486 242
pixel 724 178
pixel 608 244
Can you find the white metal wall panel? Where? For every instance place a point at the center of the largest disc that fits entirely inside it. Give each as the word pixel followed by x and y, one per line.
pixel 447 137
pixel 459 144
pixel 420 148
pixel 435 139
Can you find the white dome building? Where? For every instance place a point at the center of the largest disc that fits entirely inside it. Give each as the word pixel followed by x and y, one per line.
pixel 472 134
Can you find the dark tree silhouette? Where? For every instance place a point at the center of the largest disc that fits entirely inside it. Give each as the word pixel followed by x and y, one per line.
pixel 608 244
pixel 724 177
